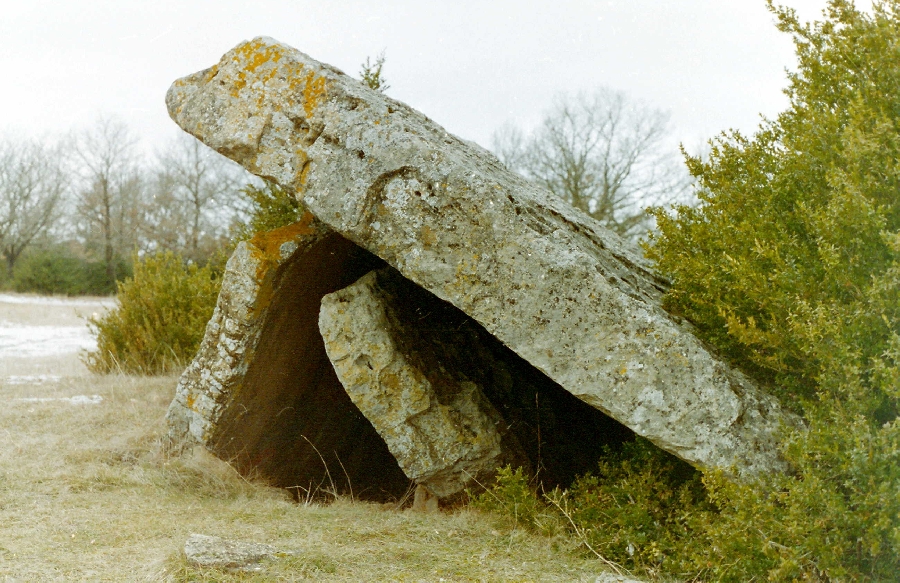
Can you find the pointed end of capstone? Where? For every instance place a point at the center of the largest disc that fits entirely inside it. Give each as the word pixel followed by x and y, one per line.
pixel 260 87
pixel 179 92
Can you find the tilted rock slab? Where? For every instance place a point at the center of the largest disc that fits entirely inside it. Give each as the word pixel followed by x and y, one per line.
pixel 452 402
pixel 549 282
pixel 438 423
pixel 261 392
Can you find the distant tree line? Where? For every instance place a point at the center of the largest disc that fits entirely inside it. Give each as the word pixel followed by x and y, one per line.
pixel 75 210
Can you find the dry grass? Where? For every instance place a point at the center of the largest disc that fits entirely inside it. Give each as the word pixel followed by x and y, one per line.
pixel 87 493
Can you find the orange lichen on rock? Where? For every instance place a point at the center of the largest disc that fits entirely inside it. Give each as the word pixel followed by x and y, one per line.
pixel 265 248
pixel 302 162
pixel 251 56
pixel 313 92
pixel 267 245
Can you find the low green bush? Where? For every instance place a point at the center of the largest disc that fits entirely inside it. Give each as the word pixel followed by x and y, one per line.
pixel 511 495
pixel 163 308
pixel 642 509
pixel 160 318
pixel 790 266
pixel 271 207
pixel 57 270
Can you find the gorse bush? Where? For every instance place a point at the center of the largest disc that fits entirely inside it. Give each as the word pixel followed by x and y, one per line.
pixel 160 318
pixel 511 495
pixel 271 207
pixel 642 509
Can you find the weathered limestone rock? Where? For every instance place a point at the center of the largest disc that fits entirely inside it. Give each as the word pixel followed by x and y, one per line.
pixel 437 422
pixel 452 402
pixel 546 280
pixel 213 551
pixel 261 392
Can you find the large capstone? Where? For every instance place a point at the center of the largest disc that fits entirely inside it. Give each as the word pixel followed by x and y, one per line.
pixel 546 280
pixel 261 392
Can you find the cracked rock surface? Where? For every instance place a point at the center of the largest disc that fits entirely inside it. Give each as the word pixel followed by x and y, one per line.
pixel 261 392
pixel 413 386
pixel 550 283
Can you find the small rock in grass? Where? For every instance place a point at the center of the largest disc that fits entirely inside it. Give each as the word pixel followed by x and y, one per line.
pixel 212 551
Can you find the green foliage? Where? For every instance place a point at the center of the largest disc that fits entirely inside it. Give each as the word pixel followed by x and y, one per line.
pixel 160 318
pixel 370 74
pixel 790 266
pixel 58 270
pixel 640 510
pixel 643 508
pixel 776 265
pixel 512 496
pixel 271 207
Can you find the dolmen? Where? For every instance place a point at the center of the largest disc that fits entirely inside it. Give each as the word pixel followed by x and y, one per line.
pixel 433 316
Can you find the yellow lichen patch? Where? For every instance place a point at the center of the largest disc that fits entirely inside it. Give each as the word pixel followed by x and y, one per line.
pixel 313 92
pixel 265 248
pixel 251 56
pixel 210 73
pixel 268 244
pixel 428 236
pixel 191 399
pixel 255 57
pixel 301 162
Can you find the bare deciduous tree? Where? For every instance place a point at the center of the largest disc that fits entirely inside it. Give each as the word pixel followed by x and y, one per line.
pixel 32 187
pixel 603 154
pixel 111 201
pixel 194 193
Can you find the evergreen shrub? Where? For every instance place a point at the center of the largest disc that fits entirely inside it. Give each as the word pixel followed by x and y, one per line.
pixel 790 265
pixel 160 318
pixel 58 270
pixel 164 307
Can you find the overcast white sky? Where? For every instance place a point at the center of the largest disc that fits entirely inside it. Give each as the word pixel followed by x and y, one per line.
pixel 469 65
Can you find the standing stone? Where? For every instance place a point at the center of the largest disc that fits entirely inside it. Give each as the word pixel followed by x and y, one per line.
pixel 549 282
pixel 261 392
pixel 411 383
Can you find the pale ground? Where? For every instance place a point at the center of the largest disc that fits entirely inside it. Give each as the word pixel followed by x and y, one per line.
pixel 88 492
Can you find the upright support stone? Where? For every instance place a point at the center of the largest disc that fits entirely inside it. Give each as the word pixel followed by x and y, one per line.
pixel 549 282
pixel 261 392
pixel 451 402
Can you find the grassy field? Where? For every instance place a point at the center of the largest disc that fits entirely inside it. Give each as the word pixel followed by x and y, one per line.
pixel 89 493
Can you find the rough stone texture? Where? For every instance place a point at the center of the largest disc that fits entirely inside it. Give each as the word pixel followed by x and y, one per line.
pixel 449 399
pixel 545 279
pixel 436 421
pixel 260 392
pixel 212 551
